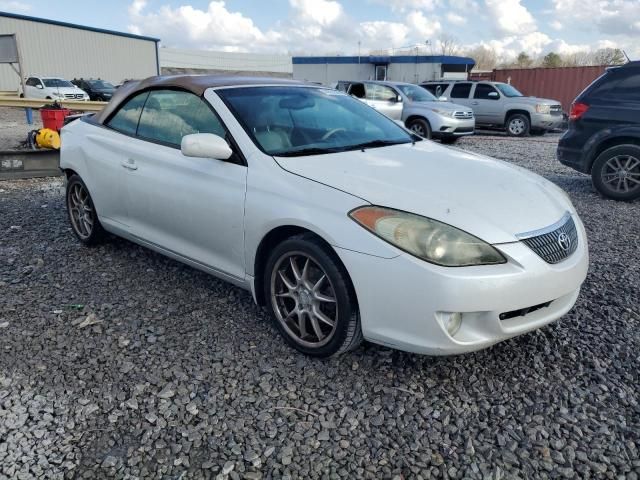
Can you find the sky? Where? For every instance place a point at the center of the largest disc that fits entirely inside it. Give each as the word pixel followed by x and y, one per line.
pixel 317 27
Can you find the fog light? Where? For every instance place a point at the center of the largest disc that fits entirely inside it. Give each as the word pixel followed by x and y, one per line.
pixel 452 322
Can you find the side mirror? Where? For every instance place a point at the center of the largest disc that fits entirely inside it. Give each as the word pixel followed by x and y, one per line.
pixel 493 95
pixel 205 145
pixel 398 99
pixel 443 99
pixel 39 85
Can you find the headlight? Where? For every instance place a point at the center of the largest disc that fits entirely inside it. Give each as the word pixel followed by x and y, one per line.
pixel 428 239
pixel 444 113
pixel 543 108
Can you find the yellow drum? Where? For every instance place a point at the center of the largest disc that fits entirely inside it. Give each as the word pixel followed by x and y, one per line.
pixel 47 138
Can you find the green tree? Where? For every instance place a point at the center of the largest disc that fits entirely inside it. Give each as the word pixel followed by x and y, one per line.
pixel 552 60
pixel 523 60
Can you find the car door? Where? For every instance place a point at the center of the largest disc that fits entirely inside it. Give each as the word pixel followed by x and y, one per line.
pixel 460 93
pixel 193 207
pixel 106 157
pixel 486 104
pixel 384 99
pixel 31 88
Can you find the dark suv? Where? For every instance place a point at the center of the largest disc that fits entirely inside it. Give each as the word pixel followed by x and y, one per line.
pixel 604 133
pixel 98 90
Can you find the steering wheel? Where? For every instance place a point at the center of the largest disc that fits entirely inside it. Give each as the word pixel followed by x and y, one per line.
pixel 332 132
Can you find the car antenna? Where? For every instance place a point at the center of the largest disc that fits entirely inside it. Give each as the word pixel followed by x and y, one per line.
pixel 626 56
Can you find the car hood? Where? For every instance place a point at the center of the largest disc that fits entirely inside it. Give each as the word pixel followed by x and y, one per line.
pixel 536 100
pixel 74 90
pixel 446 106
pixel 488 198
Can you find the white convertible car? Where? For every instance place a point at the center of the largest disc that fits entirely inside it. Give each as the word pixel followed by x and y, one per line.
pixel 344 224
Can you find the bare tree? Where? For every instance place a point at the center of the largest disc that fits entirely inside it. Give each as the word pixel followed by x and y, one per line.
pixel 523 60
pixel 485 57
pixel 449 44
pixel 608 56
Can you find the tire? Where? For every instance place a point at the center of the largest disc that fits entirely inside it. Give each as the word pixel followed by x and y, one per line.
pixel 421 127
pixel 518 125
pixel 87 227
pixel 449 140
pixel 287 290
pixel 616 172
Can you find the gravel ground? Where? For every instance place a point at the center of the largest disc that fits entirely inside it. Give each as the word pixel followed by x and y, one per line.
pixel 14 127
pixel 119 363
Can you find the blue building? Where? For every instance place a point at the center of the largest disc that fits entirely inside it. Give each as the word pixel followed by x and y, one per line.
pixel 399 68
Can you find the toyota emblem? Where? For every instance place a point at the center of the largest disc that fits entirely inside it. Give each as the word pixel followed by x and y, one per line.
pixel 564 241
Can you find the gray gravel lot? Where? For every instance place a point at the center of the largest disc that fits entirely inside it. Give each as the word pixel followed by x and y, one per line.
pixel 14 128
pixel 116 362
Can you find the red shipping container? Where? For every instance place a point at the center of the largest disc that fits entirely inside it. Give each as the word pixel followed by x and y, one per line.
pixel 563 84
pixel 53 118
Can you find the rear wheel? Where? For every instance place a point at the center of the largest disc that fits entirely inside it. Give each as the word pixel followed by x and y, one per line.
pixel 311 297
pixel 82 213
pixel 616 172
pixel 421 127
pixel 518 125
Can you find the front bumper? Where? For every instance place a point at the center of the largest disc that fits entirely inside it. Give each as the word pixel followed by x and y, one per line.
pixel 403 300
pixel 546 121
pixel 452 127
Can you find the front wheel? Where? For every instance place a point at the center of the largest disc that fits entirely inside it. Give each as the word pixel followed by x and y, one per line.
pixel 616 172
pixel 82 213
pixel 421 127
pixel 518 125
pixel 311 297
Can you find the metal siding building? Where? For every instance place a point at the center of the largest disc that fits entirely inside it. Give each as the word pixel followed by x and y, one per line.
pixel 398 68
pixel 174 61
pixel 51 48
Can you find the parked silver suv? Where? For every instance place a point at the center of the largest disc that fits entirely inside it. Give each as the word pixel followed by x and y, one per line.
pixel 501 105
pixel 415 107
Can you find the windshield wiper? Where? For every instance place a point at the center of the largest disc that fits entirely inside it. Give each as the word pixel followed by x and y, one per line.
pixel 374 144
pixel 306 151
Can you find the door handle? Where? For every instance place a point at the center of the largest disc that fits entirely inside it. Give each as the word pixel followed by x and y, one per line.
pixel 474 103
pixel 129 164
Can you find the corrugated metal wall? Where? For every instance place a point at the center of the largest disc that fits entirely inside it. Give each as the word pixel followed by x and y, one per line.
pixel 173 58
pixel 563 84
pixel 54 50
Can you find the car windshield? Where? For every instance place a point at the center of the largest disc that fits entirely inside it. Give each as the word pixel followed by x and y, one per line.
pixel 297 121
pixel 508 91
pixel 416 94
pixel 101 84
pixel 56 82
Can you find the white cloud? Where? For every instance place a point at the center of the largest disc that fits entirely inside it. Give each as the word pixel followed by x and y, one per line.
pixel 322 12
pixel 455 19
pixel 423 26
pixel 404 5
pixel 556 25
pixel 614 17
pixel 15 7
pixel 510 17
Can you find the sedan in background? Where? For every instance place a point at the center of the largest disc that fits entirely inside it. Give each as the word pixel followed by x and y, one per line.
pixel 98 90
pixel 345 225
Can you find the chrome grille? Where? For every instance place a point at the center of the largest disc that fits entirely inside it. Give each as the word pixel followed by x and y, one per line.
pixel 556 110
pixel 554 243
pixel 463 115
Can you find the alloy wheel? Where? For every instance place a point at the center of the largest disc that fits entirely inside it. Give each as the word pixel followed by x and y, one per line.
pixel 621 173
pixel 417 129
pixel 517 126
pixel 304 299
pixel 81 210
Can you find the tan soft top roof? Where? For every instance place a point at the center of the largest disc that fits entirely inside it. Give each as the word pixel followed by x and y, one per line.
pixel 196 84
